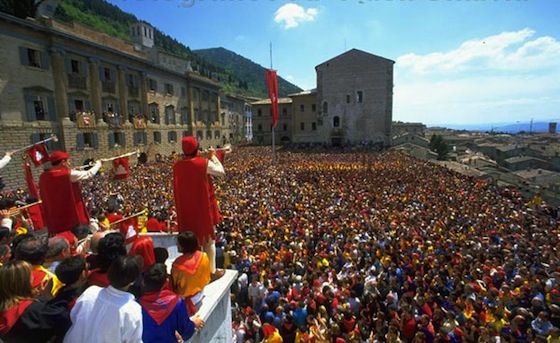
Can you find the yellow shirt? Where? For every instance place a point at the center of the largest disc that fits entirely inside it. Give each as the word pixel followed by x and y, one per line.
pixel 190 275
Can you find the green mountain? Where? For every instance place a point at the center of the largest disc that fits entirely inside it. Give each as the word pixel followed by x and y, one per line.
pixel 246 69
pixel 237 74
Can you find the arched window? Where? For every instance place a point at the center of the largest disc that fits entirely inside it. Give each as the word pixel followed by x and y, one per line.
pixel 336 121
pixel 325 107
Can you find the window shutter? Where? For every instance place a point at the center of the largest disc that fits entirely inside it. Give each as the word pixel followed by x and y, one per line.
pixel 23 56
pixel 87 105
pixel 135 138
pixel 111 140
pixel 29 101
pixel 51 108
pixel 84 68
pixel 123 138
pixel 44 60
pixel 95 140
pixel 80 141
pixel 68 63
pixel 101 70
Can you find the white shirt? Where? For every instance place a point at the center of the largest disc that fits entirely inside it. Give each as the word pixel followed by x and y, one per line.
pixel 215 167
pixel 105 315
pixel 5 160
pixel 79 175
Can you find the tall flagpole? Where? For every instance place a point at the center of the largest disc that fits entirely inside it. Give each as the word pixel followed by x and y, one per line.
pixel 273 126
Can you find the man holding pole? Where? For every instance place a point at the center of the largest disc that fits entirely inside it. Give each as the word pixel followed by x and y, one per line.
pixel 197 208
pixel 61 194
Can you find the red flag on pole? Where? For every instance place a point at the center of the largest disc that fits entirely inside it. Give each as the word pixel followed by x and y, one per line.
pixel 121 168
pixel 38 154
pixel 272 83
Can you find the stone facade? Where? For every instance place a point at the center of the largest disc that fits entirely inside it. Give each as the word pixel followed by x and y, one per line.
pixel 53 75
pixel 355 95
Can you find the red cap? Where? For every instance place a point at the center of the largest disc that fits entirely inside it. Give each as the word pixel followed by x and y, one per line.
pixel 58 156
pixel 189 145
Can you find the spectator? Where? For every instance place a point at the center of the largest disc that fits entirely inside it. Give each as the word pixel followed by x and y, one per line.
pixel 109 314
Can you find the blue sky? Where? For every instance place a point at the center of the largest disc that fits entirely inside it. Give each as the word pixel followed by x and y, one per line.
pixel 457 61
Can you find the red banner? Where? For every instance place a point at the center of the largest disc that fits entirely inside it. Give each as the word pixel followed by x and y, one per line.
pixel 38 154
pixel 31 186
pixel 121 168
pixel 272 83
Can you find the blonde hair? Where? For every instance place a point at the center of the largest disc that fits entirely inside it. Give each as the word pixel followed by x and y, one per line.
pixel 15 285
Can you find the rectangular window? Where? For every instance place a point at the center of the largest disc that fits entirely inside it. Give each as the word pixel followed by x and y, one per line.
pixel 302 108
pixel 313 108
pixel 313 126
pixel 157 137
pixel 152 85
pixel 359 96
pixel 33 58
pixel 208 134
pixel 259 128
pixel 169 88
pixel 285 111
pixel 347 98
pixel 284 127
pixel 217 134
pixel 75 67
pixel 107 75
pixel 302 126
pixel 171 137
pixel 199 135
pixel 117 139
pixel 39 106
pixel 259 112
pixel 183 91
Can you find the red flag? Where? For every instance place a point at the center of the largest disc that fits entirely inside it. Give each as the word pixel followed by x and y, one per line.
pixel 121 168
pixel 272 83
pixel 31 186
pixel 38 154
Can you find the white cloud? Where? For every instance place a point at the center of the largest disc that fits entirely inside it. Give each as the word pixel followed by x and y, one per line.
pixel 511 76
pixel 507 51
pixel 291 15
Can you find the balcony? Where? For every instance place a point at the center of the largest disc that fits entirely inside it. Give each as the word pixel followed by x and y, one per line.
pixel 77 81
pixel 133 91
pixel 113 119
pixel 108 86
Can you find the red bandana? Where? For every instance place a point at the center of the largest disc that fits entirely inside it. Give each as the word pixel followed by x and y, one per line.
pixel 10 317
pixel 159 305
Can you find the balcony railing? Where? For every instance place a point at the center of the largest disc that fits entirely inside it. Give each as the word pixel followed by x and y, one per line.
pixel 77 81
pixel 133 91
pixel 108 86
pixel 113 119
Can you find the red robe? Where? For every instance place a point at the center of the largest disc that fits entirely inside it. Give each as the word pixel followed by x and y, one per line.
pixel 62 201
pixel 197 210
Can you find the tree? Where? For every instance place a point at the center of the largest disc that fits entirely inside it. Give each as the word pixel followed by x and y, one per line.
pixel 20 8
pixel 437 144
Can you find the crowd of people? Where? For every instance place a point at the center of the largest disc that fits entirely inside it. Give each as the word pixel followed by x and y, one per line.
pixel 364 247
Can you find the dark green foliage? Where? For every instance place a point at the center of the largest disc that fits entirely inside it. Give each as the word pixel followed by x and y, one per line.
pixel 251 75
pixel 20 8
pixel 437 144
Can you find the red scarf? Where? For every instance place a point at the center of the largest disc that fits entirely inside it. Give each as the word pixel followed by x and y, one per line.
pixel 159 305
pixel 9 318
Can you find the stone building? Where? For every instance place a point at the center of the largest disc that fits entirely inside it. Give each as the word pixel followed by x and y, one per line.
pixel 355 96
pixel 99 95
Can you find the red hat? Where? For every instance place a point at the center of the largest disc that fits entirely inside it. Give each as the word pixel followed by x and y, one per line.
pixel 58 156
pixel 189 145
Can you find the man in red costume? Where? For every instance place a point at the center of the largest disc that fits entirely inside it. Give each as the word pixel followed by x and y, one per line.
pixel 61 193
pixel 197 208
